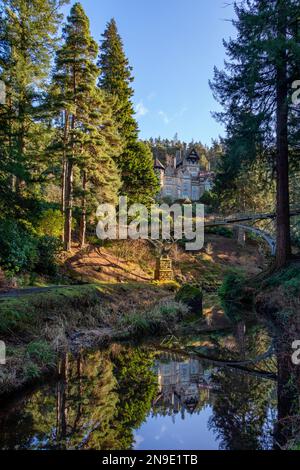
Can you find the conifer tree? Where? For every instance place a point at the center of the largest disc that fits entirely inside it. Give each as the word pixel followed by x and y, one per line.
pixel 28 35
pixel 140 183
pixel 116 78
pixel 256 88
pixel 88 138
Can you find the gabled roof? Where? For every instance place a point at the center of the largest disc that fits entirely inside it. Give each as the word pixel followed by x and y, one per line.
pixel 158 165
pixel 193 155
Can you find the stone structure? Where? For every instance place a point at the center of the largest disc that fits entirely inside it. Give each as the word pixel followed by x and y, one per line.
pixel 240 235
pixel 164 271
pixel 182 177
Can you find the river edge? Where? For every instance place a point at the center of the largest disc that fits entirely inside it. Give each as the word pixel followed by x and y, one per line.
pixel 37 328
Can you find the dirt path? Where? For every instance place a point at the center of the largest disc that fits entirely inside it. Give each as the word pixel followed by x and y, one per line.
pixel 28 291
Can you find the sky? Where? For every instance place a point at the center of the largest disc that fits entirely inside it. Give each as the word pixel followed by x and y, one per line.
pixel 173 46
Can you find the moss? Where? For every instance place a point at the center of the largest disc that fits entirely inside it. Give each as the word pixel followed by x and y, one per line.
pixel 20 313
pixel 191 296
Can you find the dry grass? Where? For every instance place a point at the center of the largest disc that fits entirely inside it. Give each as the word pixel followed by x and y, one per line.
pixel 36 328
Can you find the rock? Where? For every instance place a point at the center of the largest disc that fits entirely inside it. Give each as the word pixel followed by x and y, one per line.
pixel 191 295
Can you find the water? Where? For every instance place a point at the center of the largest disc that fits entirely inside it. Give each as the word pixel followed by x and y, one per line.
pixel 145 398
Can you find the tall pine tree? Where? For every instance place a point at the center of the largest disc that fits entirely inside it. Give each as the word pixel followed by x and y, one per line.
pixel 28 35
pixel 87 136
pixel 256 87
pixel 139 180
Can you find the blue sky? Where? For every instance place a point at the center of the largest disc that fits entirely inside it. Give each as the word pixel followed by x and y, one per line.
pixel 172 46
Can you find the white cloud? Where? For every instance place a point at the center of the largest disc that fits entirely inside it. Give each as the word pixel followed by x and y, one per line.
pixel 164 116
pixel 162 431
pixel 141 109
pixel 138 440
pixel 167 119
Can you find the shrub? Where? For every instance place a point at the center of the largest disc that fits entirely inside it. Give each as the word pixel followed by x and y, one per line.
pixel 18 248
pixel 191 296
pixel 222 231
pixel 50 224
pixel 41 353
pixel 292 287
pixel 32 371
pixel 234 294
pixel 289 278
pixel 284 276
pixel 172 286
pixel 209 199
pixel 48 250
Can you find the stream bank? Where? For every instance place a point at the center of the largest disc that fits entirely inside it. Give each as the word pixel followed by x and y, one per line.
pixel 37 328
pixel 274 301
pixel 118 301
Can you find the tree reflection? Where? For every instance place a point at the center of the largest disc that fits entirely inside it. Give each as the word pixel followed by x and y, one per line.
pixel 244 412
pixel 241 413
pixel 137 386
pixel 102 398
pixel 287 431
pixel 98 401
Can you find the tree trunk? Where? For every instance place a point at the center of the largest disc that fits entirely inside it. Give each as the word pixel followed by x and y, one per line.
pixel 63 185
pixel 68 205
pixel 61 406
pixel 64 159
pixel 282 160
pixel 70 177
pixel 83 212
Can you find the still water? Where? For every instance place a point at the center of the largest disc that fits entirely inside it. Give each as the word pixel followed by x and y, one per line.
pixel 143 397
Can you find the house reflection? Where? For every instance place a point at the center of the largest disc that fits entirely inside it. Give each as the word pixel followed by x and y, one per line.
pixel 184 386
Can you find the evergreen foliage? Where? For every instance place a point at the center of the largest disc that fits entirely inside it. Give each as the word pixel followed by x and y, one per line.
pixel 139 180
pixel 255 91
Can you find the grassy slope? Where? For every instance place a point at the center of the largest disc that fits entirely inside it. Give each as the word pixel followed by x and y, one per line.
pixel 36 327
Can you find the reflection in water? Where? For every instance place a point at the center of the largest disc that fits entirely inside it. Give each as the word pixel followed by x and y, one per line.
pixel 134 397
pixel 185 386
pixel 287 430
pixel 244 414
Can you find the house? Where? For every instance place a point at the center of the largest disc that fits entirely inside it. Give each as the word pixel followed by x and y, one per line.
pixel 182 177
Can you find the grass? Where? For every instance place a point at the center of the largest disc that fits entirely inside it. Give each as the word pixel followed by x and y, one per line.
pixel 275 298
pixel 288 278
pixel 22 314
pixel 37 327
pixel 161 319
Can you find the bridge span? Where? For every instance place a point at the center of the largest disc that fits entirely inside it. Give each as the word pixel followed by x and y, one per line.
pixel 240 227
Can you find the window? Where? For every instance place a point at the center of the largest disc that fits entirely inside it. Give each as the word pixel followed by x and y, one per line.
pixel 185 190
pixel 195 194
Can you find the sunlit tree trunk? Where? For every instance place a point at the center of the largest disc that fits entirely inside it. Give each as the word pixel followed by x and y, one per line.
pixel 83 211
